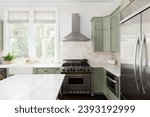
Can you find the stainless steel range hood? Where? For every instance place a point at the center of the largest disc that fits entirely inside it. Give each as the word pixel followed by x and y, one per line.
pixel 75 35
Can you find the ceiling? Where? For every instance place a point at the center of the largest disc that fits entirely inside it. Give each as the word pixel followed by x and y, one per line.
pixel 64 1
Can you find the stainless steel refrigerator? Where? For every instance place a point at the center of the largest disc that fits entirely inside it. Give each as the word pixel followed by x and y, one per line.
pixel 135 56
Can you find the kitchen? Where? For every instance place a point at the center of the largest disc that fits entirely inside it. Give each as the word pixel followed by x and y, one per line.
pixel 95 61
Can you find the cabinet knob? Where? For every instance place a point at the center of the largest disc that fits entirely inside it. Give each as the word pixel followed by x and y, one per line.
pixel 45 70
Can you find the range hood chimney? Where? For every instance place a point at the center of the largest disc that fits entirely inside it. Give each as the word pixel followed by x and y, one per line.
pixel 75 35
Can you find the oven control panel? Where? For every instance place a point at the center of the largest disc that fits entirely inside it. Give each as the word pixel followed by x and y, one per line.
pixel 76 92
pixel 75 70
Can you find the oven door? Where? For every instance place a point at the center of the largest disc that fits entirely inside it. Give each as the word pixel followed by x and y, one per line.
pixel 77 84
pixel 112 84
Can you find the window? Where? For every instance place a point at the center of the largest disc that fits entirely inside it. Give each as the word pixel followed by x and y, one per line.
pixel 19 39
pixel 38 28
pixel 45 41
pixel 45 28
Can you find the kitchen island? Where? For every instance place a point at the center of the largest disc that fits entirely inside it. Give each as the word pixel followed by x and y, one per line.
pixel 31 87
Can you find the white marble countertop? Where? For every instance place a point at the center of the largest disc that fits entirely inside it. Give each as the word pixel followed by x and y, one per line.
pixel 31 87
pixel 114 69
pixel 47 65
pixel 7 65
pixel 38 65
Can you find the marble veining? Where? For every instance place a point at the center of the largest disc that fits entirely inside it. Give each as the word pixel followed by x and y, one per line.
pixel 31 87
pixel 80 50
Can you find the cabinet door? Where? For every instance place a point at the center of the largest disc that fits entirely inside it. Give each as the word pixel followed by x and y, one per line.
pixel 114 38
pixel 106 39
pixel 97 33
pixel 98 22
pixel 98 74
pixel 57 70
pixel 113 20
pixel 106 22
pixel 104 83
pixel 118 37
pixel 118 19
pixel 1 35
pixel 98 40
pixel 45 71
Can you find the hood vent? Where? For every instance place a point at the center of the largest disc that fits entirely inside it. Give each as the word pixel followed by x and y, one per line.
pixel 75 35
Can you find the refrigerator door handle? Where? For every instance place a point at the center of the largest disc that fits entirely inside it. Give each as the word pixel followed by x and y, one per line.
pixel 135 62
pixel 140 66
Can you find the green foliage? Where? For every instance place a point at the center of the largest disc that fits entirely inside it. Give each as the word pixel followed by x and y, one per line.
pixel 9 57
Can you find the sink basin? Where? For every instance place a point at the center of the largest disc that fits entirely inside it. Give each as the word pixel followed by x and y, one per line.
pixel 21 69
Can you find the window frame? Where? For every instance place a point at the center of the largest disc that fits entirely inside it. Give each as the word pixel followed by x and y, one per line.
pixel 31 36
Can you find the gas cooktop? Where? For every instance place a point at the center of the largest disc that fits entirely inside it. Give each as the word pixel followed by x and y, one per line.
pixel 75 66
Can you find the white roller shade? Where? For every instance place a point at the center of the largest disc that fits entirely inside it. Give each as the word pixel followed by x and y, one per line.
pixel 18 16
pixel 44 16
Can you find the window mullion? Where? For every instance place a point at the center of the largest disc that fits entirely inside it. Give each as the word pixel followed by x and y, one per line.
pixel 31 36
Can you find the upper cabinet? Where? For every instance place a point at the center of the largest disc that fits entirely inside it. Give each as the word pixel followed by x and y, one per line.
pixel 115 31
pixel 125 3
pixel 1 35
pixel 97 33
pixel 106 32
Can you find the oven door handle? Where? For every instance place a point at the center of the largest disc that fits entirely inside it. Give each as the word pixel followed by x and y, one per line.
pixel 114 81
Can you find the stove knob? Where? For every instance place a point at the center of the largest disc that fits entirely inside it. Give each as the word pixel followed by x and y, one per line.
pixel 70 69
pixel 74 70
pixel 88 70
pixel 63 70
pixel 81 69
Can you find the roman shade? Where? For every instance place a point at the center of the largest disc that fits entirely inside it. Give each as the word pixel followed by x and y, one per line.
pixel 18 16
pixel 44 17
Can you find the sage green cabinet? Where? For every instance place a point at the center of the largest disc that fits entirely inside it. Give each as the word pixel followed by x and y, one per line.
pixel 106 40
pixel 44 71
pixel 104 84
pixel 106 22
pixel 106 33
pixel 113 20
pixel 125 3
pixel 115 31
pixel 1 35
pixel 118 38
pixel 97 33
pixel 111 32
pixel 47 71
pixel 114 38
pixel 97 80
pixel 57 70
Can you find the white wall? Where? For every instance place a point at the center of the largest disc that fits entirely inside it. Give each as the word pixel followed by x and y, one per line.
pixel 86 12
pixel 1 13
